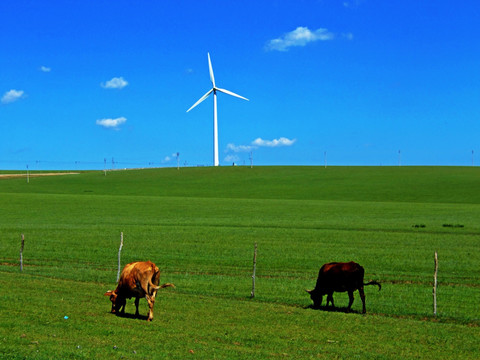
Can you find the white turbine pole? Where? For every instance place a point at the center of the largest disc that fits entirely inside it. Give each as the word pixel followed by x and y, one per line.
pixel 215 130
pixel 214 89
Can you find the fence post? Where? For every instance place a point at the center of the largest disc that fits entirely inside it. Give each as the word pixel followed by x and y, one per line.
pixel 435 285
pixel 252 295
pixel 119 252
pixel 21 252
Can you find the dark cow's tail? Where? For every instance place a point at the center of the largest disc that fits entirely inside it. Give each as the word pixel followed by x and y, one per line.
pixel 374 283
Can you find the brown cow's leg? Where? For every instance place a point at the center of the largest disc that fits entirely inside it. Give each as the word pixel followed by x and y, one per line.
pixel 137 301
pixel 122 302
pixel 350 302
pixel 362 296
pixel 151 302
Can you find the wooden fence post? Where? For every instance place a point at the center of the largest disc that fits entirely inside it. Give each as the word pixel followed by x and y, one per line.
pixel 119 251
pixel 435 285
pixel 21 252
pixel 252 295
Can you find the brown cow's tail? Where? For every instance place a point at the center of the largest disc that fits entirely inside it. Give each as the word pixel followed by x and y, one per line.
pixel 152 286
pixel 155 278
pixel 166 285
pixel 374 283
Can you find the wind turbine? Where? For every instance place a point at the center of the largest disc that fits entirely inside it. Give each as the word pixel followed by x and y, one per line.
pixel 214 90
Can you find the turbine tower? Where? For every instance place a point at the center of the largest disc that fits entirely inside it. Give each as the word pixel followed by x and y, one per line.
pixel 214 90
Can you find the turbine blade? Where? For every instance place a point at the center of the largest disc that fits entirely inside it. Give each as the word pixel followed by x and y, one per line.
pixel 231 93
pixel 201 99
pixel 210 68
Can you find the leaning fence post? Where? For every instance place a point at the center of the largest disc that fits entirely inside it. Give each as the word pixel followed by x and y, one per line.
pixel 119 251
pixel 435 285
pixel 252 295
pixel 21 252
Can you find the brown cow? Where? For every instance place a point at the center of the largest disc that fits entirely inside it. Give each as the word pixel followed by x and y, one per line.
pixel 340 277
pixel 138 279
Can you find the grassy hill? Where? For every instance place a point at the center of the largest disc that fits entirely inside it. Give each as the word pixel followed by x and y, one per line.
pixel 200 225
pixel 398 184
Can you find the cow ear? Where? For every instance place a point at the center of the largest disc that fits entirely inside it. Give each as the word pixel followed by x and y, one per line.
pixel 108 293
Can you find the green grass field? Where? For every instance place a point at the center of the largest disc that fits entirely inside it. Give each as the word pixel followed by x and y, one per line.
pixel 199 225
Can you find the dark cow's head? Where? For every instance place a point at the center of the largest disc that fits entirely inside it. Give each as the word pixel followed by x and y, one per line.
pixel 316 297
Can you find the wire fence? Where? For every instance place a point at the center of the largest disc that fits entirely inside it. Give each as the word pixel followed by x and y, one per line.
pixel 107 164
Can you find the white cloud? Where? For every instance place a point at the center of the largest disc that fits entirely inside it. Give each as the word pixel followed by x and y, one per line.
pixel 255 144
pixel 231 158
pixel 45 69
pixel 170 158
pixel 351 4
pixel 273 143
pixel 115 83
pixel 111 123
pixel 11 96
pixel 240 148
pixel 301 36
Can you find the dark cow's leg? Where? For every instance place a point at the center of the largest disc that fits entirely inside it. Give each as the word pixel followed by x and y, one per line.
pixel 330 299
pixel 351 298
pixel 362 296
pixel 137 301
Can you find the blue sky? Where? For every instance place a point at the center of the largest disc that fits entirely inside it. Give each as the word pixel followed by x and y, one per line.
pixel 356 82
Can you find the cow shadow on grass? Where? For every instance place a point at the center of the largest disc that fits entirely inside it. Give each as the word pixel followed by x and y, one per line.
pixel 344 310
pixel 131 316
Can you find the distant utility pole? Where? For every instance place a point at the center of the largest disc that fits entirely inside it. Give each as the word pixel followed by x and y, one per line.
pixel 252 295
pixel 178 161
pixel 21 252
pixel 399 157
pixel 119 254
pixel 435 284
pixel 251 159
pixel 28 178
pixel 473 158
pixel 325 158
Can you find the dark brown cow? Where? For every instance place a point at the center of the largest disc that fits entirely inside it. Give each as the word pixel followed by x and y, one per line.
pixel 340 277
pixel 138 279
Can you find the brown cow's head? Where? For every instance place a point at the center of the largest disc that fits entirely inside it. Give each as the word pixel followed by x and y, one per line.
pixel 316 297
pixel 113 299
